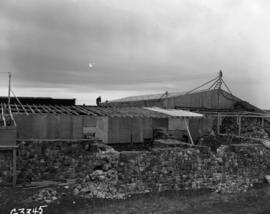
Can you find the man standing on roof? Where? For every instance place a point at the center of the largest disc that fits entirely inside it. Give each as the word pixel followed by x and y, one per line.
pixel 98 101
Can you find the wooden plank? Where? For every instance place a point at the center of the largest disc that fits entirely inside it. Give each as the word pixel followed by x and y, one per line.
pixel 98 112
pixel 77 126
pixel 53 126
pixel 37 109
pixel 93 111
pixel 189 134
pixel 242 137
pixel 32 110
pixel 61 110
pixel 252 116
pixel 26 112
pixel 65 126
pixel 18 111
pixel 82 110
pixel 56 109
pixel 11 115
pixel 3 115
pixel 44 109
pixel 239 126
pixel 49 109
pixel 69 110
pixel 39 126
pixel 218 123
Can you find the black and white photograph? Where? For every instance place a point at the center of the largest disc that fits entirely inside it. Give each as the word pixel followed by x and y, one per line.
pixel 134 107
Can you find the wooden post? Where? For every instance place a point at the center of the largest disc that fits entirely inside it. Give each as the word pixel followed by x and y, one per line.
pixel 239 125
pixel 9 87
pixel 218 123
pixel 14 177
pixel 189 134
pixel 262 122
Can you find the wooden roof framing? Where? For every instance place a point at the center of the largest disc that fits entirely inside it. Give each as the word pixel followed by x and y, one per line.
pixel 36 108
pixel 82 110
pixel 3 115
pixel 6 116
pixel 96 111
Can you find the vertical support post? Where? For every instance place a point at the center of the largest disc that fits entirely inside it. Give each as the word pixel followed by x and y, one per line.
pixel 189 134
pixel 218 123
pixel 262 122
pixel 9 87
pixel 14 177
pixel 239 125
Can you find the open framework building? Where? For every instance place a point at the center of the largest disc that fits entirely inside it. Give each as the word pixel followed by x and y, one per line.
pixel 78 122
pixel 127 120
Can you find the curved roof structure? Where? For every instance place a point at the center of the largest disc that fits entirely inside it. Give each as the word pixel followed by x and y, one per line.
pixel 214 99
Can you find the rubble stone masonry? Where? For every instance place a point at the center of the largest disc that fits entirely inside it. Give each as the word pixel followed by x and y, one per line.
pixel 129 172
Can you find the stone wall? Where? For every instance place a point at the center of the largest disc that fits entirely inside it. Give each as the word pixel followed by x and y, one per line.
pixel 100 169
pixel 167 169
pixel 52 160
pixel 5 166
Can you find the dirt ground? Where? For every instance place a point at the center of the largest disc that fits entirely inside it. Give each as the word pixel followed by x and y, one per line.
pixel 256 200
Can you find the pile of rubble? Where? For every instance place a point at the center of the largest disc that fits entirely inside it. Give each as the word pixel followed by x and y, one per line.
pixel 250 127
pixel 46 195
pixel 99 184
pixel 234 184
pixel 102 182
pixel 257 132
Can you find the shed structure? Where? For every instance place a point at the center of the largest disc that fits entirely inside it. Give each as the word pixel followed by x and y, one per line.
pixel 206 100
pixel 109 124
pixel 212 101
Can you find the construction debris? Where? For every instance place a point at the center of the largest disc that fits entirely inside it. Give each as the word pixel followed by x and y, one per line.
pixel 267 178
pixel 234 184
pixel 266 143
pixel 99 184
pixel 102 182
pixel 46 195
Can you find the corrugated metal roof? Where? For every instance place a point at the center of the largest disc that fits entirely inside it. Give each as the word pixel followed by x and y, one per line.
pixel 175 112
pixel 152 96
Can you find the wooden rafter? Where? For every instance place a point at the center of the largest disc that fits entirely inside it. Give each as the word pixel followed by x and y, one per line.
pixel 44 109
pixel 70 110
pixel 11 115
pixel 3 115
pixel 56 109
pixel 17 109
pixel 94 111
pixel 49 109
pixel 85 110
pixel 32 110
pixel 237 115
pixel 37 109
pixel 63 110
pixel 26 112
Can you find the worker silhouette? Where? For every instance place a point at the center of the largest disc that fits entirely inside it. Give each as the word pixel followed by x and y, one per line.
pixel 98 101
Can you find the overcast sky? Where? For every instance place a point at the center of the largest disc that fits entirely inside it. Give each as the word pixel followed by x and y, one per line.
pixel 134 47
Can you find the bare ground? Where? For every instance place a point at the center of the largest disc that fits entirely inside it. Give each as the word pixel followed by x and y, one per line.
pixel 254 201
